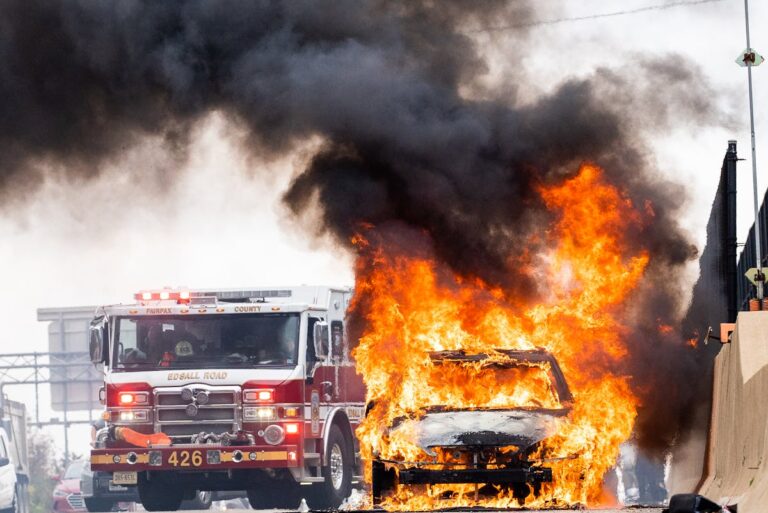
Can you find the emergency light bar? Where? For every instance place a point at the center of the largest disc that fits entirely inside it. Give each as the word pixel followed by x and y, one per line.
pixel 185 296
pixel 181 296
pixel 247 294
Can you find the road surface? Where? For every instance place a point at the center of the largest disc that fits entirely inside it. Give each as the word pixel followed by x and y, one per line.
pixel 624 510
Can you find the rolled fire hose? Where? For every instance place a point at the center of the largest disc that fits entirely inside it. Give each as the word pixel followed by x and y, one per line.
pixel 141 439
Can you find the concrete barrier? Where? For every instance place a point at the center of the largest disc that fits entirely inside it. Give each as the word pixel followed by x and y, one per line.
pixel 737 459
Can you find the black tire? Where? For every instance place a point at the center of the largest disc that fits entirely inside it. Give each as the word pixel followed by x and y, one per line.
pixel 159 495
pixel 202 501
pixel 383 480
pixel 521 491
pixel 337 472
pixel 100 504
pixel 14 508
pixel 274 493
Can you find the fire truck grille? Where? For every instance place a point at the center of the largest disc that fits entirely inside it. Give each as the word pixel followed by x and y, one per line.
pixel 181 418
pixel 185 431
pixel 203 414
pixel 174 398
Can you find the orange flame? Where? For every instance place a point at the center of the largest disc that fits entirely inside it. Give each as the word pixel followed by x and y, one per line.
pixel 693 340
pixel 412 304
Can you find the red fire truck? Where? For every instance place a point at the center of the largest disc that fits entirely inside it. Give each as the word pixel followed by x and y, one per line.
pixel 213 390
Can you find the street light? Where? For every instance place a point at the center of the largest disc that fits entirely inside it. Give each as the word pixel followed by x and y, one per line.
pixel 748 59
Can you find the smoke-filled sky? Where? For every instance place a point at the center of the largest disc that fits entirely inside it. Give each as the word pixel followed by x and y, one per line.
pixel 145 144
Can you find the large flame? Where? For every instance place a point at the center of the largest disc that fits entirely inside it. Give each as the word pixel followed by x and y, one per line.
pixel 412 305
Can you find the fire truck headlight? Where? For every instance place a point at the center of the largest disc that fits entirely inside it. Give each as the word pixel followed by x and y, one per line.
pixel 260 413
pixel 274 434
pixel 134 416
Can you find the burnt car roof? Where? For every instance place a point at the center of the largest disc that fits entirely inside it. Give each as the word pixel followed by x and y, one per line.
pixel 513 357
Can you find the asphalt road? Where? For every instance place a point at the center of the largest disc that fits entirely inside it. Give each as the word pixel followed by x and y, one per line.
pixel 624 510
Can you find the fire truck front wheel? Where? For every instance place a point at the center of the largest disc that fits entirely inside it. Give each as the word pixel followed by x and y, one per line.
pixel 97 504
pixel 202 500
pixel 158 494
pixel 271 494
pixel 337 471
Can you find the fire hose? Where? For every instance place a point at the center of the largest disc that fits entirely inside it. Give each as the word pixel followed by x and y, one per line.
pixel 140 439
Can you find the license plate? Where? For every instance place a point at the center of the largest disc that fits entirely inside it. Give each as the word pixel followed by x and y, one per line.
pixel 124 478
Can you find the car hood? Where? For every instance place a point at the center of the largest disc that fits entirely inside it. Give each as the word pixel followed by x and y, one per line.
pixel 69 486
pixel 521 428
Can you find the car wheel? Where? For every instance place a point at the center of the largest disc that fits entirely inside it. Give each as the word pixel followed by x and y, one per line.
pixel 521 491
pixel 202 500
pixel 383 480
pixel 14 507
pixel 157 495
pixel 337 472
pixel 98 504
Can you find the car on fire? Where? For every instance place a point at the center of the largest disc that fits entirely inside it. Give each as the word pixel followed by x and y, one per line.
pixel 491 447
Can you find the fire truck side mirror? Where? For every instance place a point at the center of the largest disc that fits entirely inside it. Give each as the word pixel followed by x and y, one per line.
pixel 98 343
pixel 320 337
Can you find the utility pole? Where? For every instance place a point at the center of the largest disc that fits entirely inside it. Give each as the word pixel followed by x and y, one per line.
pixel 750 58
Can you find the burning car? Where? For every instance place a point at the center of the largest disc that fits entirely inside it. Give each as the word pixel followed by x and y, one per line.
pixel 489 440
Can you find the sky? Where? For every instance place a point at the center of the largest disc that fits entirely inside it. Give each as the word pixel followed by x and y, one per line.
pixel 222 224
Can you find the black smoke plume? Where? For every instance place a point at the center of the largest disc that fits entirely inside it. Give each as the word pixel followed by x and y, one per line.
pixel 387 87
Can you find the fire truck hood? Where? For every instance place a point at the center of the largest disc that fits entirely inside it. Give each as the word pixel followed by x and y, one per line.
pixel 521 428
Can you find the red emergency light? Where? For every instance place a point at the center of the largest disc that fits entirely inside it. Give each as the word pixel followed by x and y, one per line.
pixel 128 394
pixel 180 296
pixel 258 396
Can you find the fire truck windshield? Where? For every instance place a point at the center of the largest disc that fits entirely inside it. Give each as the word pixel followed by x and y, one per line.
pixel 205 341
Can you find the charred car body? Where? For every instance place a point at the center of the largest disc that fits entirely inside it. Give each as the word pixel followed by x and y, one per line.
pixel 484 444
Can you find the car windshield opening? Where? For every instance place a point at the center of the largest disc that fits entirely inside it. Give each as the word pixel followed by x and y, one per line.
pixel 205 341
pixel 74 470
pixel 462 384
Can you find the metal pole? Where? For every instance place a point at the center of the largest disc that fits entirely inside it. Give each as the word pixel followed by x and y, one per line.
pixel 65 388
pixel 37 391
pixel 728 176
pixel 759 263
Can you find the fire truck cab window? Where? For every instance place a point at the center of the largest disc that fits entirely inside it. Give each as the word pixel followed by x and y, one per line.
pixel 311 355
pixel 338 349
pixel 196 341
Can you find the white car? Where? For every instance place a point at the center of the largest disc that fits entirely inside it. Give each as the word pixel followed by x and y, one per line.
pixel 7 476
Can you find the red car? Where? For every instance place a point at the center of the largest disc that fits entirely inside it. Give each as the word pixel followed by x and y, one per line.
pixel 66 495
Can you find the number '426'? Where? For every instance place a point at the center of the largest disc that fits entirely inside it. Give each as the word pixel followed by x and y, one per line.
pixel 186 458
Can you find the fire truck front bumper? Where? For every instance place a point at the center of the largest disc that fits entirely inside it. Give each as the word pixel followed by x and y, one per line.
pixel 195 457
